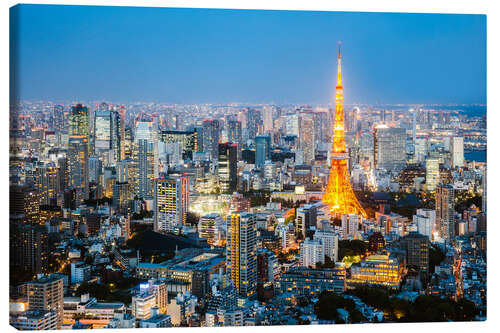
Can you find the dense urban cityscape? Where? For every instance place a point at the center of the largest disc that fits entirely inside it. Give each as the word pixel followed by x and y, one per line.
pixel 147 215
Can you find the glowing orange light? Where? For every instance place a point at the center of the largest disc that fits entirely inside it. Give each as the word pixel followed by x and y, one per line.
pixel 339 195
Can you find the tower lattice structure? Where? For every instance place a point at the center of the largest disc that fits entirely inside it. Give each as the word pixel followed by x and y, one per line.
pixel 339 195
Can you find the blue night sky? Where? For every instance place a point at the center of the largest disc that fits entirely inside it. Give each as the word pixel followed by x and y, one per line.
pixel 220 56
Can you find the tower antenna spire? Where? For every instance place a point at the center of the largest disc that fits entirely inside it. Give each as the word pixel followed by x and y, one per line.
pixel 339 50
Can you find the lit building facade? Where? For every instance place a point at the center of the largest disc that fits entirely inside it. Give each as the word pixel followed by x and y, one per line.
pixel 241 258
pixel 227 167
pixel 377 269
pixel 171 202
pixel 445 211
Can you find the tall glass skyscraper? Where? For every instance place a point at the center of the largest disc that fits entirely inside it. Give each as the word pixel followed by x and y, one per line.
pixel 262 150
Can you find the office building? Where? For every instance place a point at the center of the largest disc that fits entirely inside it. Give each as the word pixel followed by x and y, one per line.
pixel 312 282
pixel 262 150
pixel 457 151
pixel 234 133
pixel 102 128
pixel 142 305
pixel 254 123
pixel 377 269
pixel 78 162
pixel 389 148
pixel 227 167
pixel 188 141
pixel 145 157
pixel 431 174
pixel 211 136
pixel 24 200
pixel 79 122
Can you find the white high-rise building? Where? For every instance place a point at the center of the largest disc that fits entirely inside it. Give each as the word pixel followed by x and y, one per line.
pixel 421 149
pixel 311 252
pixel 350 225
pixel 80 272
pixel 330 242
pixel 142 304
pixel 425 220
pixel 431 174
pixel 267 118
pixel 457 152
pixel 292 124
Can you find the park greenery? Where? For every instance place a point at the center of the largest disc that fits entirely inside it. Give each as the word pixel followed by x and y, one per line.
pixel 424 308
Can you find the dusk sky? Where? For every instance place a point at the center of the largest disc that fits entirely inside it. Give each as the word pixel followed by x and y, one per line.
pixel 220 56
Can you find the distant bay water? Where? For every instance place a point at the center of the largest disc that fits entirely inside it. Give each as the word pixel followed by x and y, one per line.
pixel 476 155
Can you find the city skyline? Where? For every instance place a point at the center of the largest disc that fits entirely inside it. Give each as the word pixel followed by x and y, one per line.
pixel 189 56
pixel 155 215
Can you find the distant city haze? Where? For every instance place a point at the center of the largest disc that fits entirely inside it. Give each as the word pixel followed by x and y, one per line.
pixel 224 56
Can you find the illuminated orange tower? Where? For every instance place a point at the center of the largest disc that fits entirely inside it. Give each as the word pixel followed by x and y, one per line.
pixel 339 194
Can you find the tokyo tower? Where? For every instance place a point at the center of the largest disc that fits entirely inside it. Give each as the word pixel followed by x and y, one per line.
pixel 339 195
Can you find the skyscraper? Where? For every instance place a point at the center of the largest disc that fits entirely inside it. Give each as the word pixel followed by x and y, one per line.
pixel 47 183
pixel 24 199
pixel 241 258
pixel 234 132
pixel 211 135
pixel 29 247
pixel 445 211
pixel 262 150
pixel 389 148
pixel 78 160
pixel 59 119
pixel 431 174
pixel 79 122
pixel 307 137
pixel 227 167
pixel 339 195
pixel 254 122
pixel 267 118
pixel 102 129
pixel 145 157
pixel 457 151
pixel 171 202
